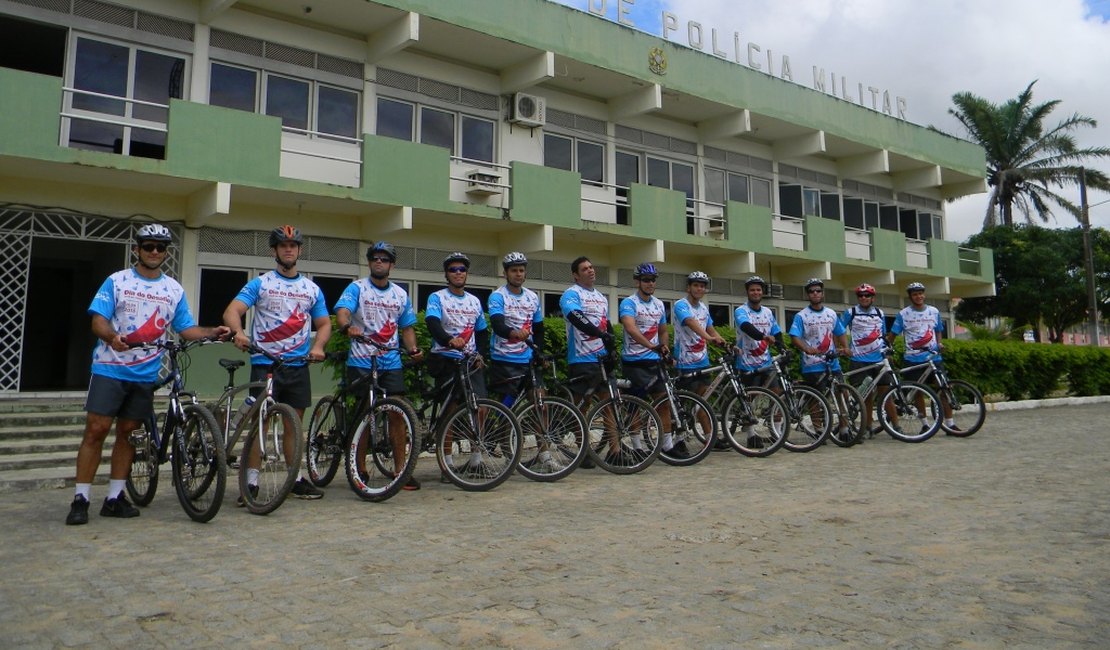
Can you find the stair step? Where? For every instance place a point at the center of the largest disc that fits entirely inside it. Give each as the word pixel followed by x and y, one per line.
pixel 44 431
pixel 65 458
pixel 38 418
pixel 45 477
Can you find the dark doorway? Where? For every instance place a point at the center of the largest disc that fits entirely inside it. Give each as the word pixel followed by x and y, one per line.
pixel 31 46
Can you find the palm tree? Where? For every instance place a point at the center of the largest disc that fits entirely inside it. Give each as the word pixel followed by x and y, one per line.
pixel 1024 162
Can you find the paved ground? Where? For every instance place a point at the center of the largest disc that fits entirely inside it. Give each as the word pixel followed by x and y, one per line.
pixel 998 540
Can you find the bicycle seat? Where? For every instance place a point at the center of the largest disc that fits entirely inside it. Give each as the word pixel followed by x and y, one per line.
pixel 232 364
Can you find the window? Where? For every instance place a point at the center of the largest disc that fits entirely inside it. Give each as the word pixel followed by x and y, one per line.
pixel 287 98
pixel 437 128
pixel 572 154
pixel 218 287
pixel 627 172
pixel 761 192
pixel 332 287
pixel 337 111
pixel 395 119
pixel 676 176
pixel 464 135
pixel 233 87
pixel 799 201
pixel 720 314
pixel 477 139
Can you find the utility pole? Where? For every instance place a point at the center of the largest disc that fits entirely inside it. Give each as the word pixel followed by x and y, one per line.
pixel 1088 257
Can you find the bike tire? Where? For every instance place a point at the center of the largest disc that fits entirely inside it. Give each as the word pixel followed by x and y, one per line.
pixel 382 480
pixel 558 429
pixel 756 426
pixel 142 478
pixel 969 410
pixel 847 406
pixel 325 446
pixel 491 449
pixel 909 413
pixel 199 464
pixel 631 416
pixel 811 424
pixel 696 429
pixel 276 475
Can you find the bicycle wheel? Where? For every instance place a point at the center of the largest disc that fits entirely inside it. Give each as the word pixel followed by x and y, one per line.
pixel 142 480
pixel 623 434
pixel 381 445
pixel 551 444
pixel 917 422
pixel 755 425
pixel 847 414
pixel 478 451
pixel 969 411
pixel 277 457
pixel 199 464
pixel 810 421
pixel 324 448
pixel 695 432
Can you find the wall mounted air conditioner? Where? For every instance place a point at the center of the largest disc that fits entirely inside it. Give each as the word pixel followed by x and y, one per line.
pixel 527 110
pixel 775 291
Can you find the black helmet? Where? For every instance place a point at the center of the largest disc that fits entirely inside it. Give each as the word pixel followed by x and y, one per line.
pixel 513 259
pixel 914 286
pixel 382 247
pixel 647 268
pixel 284 234
pixel 456 257
pixel 153 232
pixel 755 279
pixel 814 282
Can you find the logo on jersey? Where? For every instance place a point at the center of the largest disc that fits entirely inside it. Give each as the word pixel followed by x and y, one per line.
pixel 923 342
pixel 385 334
pixel 152 330
pixel 871 337
pixel 292 325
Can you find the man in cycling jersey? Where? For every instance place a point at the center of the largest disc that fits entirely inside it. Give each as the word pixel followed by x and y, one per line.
pixel 287 305
pixel 135 305
pixel 644 320
pixel 757 330
pixel 693 329
pixel 866 325
pixel 922 327
pixel 817 332
pixel 377 309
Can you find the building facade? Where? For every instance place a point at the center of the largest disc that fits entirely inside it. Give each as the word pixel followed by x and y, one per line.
pixel 475 125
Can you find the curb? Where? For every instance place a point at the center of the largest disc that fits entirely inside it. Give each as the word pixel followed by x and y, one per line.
pixel 1044 403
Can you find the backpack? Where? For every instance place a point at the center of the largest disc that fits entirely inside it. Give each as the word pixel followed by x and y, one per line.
pixel 852 313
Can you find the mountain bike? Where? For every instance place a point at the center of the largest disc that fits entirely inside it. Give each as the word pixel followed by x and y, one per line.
pixel 905 399
pixel 845 403
pixel 687 419
pixel 188 437
pixel 810 415
pixel 959 400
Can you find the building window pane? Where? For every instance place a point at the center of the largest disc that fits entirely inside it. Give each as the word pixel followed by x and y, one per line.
pixel 790 200
pixel 437 128
pixel 925 226
pixel 830 206
pixel 288 99
pixel 738 188
pixel 217 289
pixel 100 68
pixel 557 152
pixel 233 88
pixel 394 119
pixel 96 136
pixel 761 192
pixel 628 169
pixel 888 217
pixel 158 78
pixel 907 223
pixel 853 213
pixel 337 112
pixel 658 173
pixel 477 139
pixel 591 161
pixel 870 214
pixel 331 287
pixel 147 144
pixel 811 202
pixel 714 186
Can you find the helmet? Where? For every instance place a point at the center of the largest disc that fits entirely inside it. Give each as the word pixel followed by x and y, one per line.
pixel 697 276
pixel 914 286
pixel 865 289
pixel 755 279
pixel 513 259
pixel 814 282
pixel 284 234
pixel 456 257
pixel 153 232
pixel 647 268
pixel 382 247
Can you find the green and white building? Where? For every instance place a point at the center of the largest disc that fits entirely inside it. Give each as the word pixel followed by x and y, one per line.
pixel 482 126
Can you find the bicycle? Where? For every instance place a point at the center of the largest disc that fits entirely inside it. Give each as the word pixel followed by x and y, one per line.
pixel 692 422
pixel 901 401
pixel 360 432
pixel 188 438
pixel 845 402
pixel 810 415
pixel 959 399
pixel 278 458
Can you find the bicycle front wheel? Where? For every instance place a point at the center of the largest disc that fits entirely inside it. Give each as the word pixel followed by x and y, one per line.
pixel 324 448
pixel 199 464
pixel 969 411
pixel 382 452
pixel 810 421
pixel 755 424
pixel 695 432
pixel 477 451
pixel 275 454
pixel 142 480
pixel 551 447
pixel 918 410
pixel 847 414
pixel 623 434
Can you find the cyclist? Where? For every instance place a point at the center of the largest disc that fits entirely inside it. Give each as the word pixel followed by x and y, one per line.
pixel 921 326
pixel 644 319
pixel 813 331
pixel 693 328
pixel 757 330
pixel 457 324
pixel 375 308
pixel 866 325
pixel 135 305
pixel 287 305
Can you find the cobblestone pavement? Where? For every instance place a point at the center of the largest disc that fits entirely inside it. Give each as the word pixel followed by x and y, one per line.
pixel 997 540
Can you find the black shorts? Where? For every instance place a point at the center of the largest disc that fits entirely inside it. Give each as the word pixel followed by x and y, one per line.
pixel 758 378
pixel 506 378
pixel 442 369
pixel 292 385
pixel 583 378
pixel 915 375
pixel 643 375
pixel 691 382
pixel 872 371
pixel 392 381
pixel 128 400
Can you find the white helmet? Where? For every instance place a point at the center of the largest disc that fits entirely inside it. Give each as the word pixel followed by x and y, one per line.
pixel 153 232
pixel 514 259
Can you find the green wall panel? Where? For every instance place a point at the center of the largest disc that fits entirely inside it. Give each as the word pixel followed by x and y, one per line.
pixel 222 144
pixel 657 213
pixel 29 115
pixel 825 239
pixel 399 172
pixel 889 249
pixel 749 227
pixel 546 195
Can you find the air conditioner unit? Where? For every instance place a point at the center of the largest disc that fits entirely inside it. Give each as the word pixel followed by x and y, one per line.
pixel 527 110
pixel 775 291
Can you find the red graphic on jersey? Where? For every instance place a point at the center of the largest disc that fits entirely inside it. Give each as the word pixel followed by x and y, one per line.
pixel 526 327
pixel 603 326
pixel 291 326
pixel 869 338
pixel 699 346
pixel 923 342
pixel 759 349
pixel 151 330
pixel 467 333
pixel 651 332
pixel 825 343
pixel 385 334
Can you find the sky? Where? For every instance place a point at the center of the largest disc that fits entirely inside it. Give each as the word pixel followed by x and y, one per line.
pixel 926 51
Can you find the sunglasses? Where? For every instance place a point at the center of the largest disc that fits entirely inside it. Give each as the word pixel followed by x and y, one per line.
pixel 383 260
pixel 865 295
pixel 816 291
pixel 647 279
pixel 150 247
pixel 456 269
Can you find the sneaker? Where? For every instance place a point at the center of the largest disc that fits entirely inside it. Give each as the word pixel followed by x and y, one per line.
pixel 755 442
pixel 78 511
pixel 679 451
pixel 118 507
pixel 411 485
pixel 253 489
pixel 551 466
pixel 924 428
pixel 302 489
pixel 953 430
pixel 722 445
pixel 638 456
pixel 587 463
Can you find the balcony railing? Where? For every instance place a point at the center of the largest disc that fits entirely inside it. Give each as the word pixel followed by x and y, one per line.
pixel 321 157
pixel 788 232
pixel 479 181
pixel 858 244
pixel 917 253
pixel 120 133
pixel 970 262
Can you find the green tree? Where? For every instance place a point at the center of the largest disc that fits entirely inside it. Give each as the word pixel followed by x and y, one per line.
pixel 1025 161
pixel 1040 278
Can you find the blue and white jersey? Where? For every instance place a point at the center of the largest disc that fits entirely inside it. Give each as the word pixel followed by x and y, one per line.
pixel 581 347
pixel 140 309
pixel 284 309
pixel 866 328
pixel 381 314
pixel 754 355
pixel 649 315
pixel 817 327
pixel 920 328
pixel 690 350
pixel 460 316
pixel 521 311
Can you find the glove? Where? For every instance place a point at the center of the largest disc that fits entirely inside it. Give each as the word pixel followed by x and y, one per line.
pixel 609 341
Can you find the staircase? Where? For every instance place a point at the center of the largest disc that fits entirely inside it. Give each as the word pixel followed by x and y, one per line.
pixel 39 438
